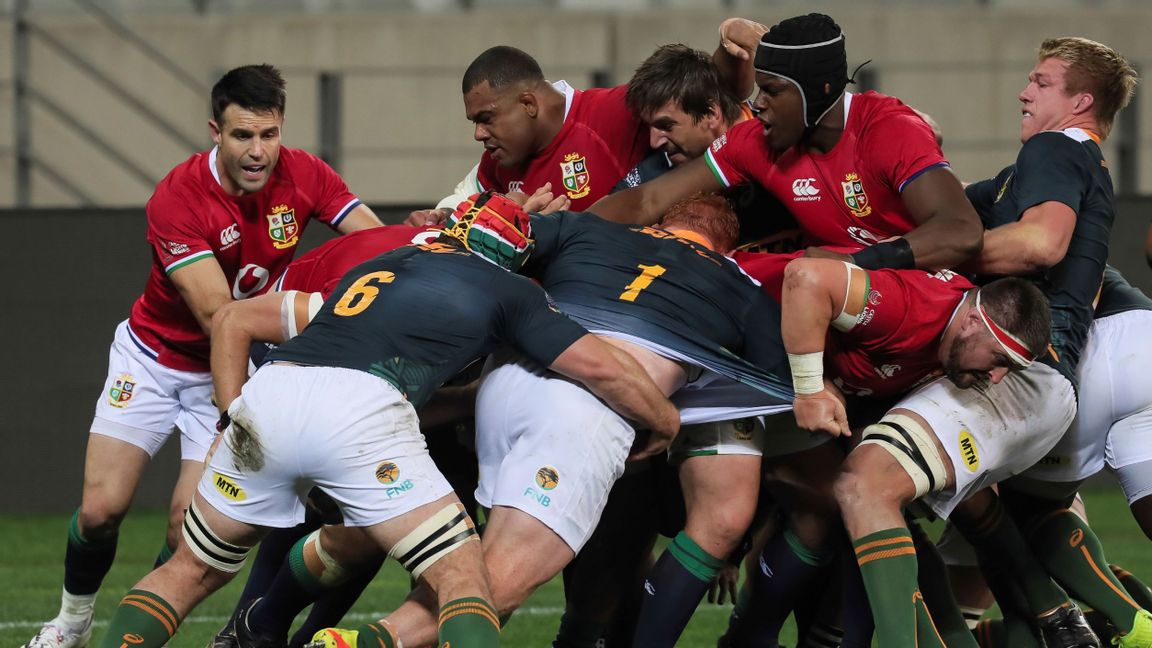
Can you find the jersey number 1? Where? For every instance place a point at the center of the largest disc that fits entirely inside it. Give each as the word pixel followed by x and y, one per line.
pixel 648 274
pixel 362 293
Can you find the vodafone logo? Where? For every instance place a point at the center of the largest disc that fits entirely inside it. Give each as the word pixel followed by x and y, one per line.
pixel 250 280
pixel 229 235
pixel 803 191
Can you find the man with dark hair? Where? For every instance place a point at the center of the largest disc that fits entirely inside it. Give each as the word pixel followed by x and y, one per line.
pixel 534 133
pixel 856 170
pixel 222 225
pixel 334 407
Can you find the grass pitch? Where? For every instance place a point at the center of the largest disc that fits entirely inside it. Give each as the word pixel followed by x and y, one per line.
pixel 32 570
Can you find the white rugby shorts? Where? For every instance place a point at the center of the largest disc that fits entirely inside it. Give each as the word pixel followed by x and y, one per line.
pixel 1114 421
pixel 143 401
pixel 548 447
pixel 349 433
pixel 993 432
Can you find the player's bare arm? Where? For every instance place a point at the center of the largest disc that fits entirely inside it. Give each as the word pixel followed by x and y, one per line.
pixel 739 38
pixel 237 325
pixel 362 217
pixel 204 288
pixel 948 230
pixel 646 203
pixel 1037 241
pixel 818 294
pixel 615 377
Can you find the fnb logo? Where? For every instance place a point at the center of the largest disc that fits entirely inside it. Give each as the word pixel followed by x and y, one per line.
pixel 229 235
pixel 804 191
pixel 539 496
pixel 400 489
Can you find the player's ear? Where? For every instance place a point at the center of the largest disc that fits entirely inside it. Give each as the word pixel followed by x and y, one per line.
pixel 215 130
pixel 530 103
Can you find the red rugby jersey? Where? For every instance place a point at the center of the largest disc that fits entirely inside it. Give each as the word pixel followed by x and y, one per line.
pixel 851 195
pixel 600 141
pixel 320 269
pixel 252 237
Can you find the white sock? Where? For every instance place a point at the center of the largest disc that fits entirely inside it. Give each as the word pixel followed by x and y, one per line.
pixel 76 610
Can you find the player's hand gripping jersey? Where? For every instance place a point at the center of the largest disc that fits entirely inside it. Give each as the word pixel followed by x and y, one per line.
pixel 252 237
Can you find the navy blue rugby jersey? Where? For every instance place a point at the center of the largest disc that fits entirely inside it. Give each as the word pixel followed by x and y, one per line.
pixel 1068 167
pixel 656 286
pixel 418 315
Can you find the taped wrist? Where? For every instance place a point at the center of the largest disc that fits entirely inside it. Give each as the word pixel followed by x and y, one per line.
pixel 441 534
pixel 896 254
pixel 807 372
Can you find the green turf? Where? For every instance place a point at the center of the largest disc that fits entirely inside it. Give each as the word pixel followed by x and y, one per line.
pixel 31 566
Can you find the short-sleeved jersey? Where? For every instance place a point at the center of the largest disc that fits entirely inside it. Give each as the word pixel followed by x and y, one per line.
pixel 1118 296
pixel 321 269
pixel 654 285
pixel 1067 167
pixel 851 195
pixel 599 142
pixel 418 315
pixel 895 344
pixel 252 237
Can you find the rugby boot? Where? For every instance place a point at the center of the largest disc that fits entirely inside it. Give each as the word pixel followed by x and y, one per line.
pixel 246 638
pixel 1141 635
pixel 226 638
pixel 56 634
pixel 333 638
pixel 1066 627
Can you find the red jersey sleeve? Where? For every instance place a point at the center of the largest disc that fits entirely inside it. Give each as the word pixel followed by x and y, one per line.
pixel 178 234
pixel 902 146
pixel 732 155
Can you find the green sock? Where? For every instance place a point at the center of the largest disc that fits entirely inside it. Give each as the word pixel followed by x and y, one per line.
pixel 926 633
pixel 1003 550
pixel 162 557
pixel 1071 552
pixel 1005 633
pixel 143 620
pixel 380 632
pixel 888 564
pixel 469 623
pixel 1134 586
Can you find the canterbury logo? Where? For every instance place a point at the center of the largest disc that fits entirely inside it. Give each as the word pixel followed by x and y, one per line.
pixel 803 190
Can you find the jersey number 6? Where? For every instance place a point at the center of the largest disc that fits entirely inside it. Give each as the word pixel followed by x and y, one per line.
pixel 362 293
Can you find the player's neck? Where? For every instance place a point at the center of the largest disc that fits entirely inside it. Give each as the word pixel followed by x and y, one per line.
pixel 828 131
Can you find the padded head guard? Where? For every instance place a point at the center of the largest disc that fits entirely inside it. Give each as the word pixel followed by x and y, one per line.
pixel 807 51
pixel 494 228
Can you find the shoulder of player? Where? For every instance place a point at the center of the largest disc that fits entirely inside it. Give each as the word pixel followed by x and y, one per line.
pixel 875 111
pixel 1071 146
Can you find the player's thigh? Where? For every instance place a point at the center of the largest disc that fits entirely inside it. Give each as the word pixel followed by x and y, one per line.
pixel 460 563
pixel 141 401
pixel 112 471
pixel 556 463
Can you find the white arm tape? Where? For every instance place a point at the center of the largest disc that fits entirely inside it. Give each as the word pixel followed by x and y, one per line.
pixel 845 321
pixel 807 372
pixel 315 301
pixel 288 315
